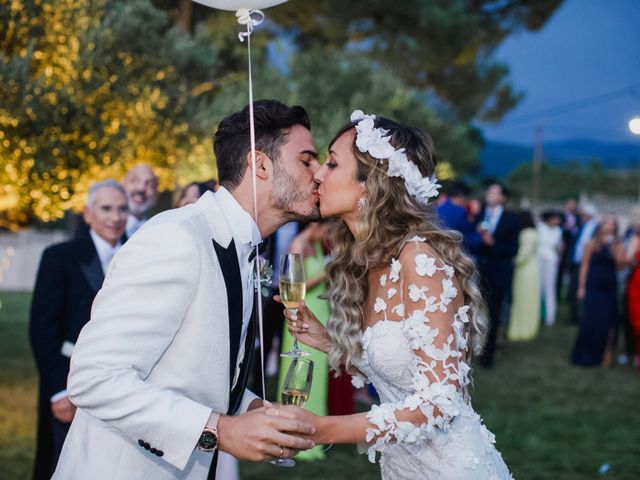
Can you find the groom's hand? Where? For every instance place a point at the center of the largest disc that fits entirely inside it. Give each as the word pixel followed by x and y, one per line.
pixel 265 434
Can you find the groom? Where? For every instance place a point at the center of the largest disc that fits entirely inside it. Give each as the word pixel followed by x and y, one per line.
pixel 159 372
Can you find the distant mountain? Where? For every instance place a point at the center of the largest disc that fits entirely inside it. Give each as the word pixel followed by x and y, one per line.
pixel 498 159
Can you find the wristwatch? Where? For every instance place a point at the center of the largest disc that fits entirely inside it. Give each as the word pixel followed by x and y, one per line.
pixel 208 441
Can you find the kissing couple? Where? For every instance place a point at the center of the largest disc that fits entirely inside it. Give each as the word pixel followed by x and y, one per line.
pixel 159 373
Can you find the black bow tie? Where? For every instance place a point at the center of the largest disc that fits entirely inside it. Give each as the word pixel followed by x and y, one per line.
pixel 262 248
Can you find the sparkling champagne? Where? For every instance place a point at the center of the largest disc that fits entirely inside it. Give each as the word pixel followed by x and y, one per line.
pixel 294 397
pixel 292 293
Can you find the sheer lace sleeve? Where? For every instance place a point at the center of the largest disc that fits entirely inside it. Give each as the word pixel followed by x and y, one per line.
pixel 434 322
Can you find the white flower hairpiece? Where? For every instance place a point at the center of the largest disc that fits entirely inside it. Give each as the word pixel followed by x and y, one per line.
pixel 376 142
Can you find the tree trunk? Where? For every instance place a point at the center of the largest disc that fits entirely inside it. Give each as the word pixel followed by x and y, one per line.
pixel 184 19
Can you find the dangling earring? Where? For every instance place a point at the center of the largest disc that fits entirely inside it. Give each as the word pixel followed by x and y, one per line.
pixel 363 202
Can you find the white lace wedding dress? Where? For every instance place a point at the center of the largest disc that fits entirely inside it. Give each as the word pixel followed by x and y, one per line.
pixel 413 352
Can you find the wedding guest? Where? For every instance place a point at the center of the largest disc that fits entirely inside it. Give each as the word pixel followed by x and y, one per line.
pixel 341 397
pixel 588 216
pixel 454 216
pixel 309 243
pixel 499 229
pixel 141 185
pixel 550 247
pixel 193 191
pixel 603 255
pixel 570 224
pixel 525 309
pixel 69 276
pixel 633 291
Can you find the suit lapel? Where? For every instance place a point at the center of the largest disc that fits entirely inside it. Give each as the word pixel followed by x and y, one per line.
pixel 90 265
pixel 228 259
pixel 249 351
pixel 500 223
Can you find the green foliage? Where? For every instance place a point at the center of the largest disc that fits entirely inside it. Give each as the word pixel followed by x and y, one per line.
pixel 343 83
pixel 442 46
pixel 560 182
pixel 92 87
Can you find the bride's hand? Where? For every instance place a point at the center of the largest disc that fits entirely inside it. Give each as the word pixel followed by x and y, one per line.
pixel 306 326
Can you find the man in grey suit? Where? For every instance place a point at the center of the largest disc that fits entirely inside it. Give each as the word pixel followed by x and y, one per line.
pixel 159 373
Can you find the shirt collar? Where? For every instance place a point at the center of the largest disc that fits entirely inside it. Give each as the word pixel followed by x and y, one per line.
pixel 242 225
pixel 497 210
pixel 102 246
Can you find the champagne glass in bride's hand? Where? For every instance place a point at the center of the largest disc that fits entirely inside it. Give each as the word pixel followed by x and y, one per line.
pixel 292 291
pixel 295 391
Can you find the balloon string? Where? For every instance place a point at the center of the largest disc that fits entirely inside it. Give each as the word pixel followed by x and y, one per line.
pixel 250 18
pixel 258 280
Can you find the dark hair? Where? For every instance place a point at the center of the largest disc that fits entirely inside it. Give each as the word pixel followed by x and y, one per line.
pixel 231 142
pixel 459 189
pixel 207 186
pixel 525 219
pixel 503 188
pixel 549 214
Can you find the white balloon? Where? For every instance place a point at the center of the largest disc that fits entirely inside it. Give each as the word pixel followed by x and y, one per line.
pixel 235 5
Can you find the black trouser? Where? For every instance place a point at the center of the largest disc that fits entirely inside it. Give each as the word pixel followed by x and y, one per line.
pixel 496 294
pixel 49 449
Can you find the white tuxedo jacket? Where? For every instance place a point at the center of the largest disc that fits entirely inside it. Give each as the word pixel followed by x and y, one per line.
pixel 154 360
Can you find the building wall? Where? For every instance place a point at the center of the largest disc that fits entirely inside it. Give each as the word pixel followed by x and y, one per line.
pixel 20 256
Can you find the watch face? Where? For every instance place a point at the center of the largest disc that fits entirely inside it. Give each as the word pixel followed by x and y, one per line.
pixel 208 440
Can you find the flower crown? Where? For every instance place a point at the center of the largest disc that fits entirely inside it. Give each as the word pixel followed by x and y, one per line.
pixel 376 143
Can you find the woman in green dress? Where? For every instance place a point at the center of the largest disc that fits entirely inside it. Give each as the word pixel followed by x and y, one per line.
pixel 525 308
pixel 309 243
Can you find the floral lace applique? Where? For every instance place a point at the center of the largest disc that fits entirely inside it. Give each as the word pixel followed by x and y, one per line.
pixel 438 341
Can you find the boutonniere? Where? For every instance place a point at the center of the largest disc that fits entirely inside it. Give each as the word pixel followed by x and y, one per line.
pixel 266 272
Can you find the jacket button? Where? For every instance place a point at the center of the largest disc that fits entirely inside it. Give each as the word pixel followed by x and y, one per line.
pixel 141 442
pixel 159 453
pixel 147 446
pixel 153 450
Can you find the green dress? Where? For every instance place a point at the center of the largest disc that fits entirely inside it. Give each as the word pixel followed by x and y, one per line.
pixel 525 308
pixel 317 402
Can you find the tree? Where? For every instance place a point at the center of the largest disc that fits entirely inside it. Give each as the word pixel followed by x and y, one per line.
pixel 560 182
pixel 87 95
pixel 440 46
pixel 92 86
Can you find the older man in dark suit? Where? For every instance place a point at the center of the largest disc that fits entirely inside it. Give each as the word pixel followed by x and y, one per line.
pixel 70 275
pixel 499 229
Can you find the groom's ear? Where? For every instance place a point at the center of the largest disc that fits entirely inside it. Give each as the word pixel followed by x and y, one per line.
pixel 264 166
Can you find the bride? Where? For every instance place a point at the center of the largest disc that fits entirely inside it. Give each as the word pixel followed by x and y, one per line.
pixel 406 309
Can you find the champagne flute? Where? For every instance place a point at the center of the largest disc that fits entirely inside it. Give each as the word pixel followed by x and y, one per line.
pixel 295 391
pixel 292 291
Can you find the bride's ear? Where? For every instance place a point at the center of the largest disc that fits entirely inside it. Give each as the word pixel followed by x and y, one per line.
pixel 264 166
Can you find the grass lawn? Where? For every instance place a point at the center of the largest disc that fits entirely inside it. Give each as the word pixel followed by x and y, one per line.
pixel 552 421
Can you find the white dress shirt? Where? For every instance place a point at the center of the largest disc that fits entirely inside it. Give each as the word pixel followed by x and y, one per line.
pixel 246 236
pixel 106 252
pixel 493 215
pixel 585 235
pixel 133 224
pixel 549 239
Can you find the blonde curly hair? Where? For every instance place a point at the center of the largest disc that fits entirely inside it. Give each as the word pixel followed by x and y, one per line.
pixel 391 217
